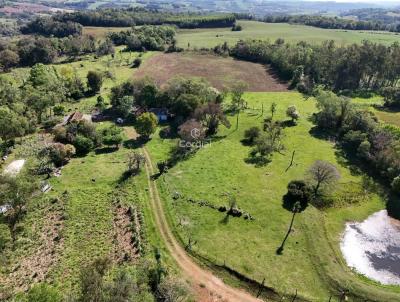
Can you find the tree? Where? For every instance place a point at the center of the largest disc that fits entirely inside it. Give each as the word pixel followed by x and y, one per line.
pixel 94 81
pixel 125 105
pixel 113 136
pixel 237 92
pixel 60 154
pixel 396 184
pixel 83 145
pixel 100 103
pixel 270 141
pixel 191 131
pixel 105 48
pixel 211 115
pixel 8 59
pixel 298 191
pixel 146 124
pixel 135 161
pixel 251 134
pixel 273 110
pixel 12 125
pixel 323 173
pixel 293 113
pixel 15 193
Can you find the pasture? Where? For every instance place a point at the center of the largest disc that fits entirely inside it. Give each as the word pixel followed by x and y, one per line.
pixel 311 262
pixel 101 32
pixel 291 33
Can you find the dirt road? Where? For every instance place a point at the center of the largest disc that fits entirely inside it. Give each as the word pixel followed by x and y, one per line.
pixel 209 288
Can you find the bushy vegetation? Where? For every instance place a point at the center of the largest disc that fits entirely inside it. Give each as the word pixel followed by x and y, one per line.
pixel 145 38
pixel 47 26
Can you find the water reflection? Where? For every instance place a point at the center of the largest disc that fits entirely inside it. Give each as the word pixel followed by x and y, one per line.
pixel 372 247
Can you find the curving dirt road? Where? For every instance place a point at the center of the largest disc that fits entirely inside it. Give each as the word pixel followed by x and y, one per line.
pixel 208 287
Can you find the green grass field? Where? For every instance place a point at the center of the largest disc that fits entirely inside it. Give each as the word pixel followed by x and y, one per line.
pixel 311 259
pixel 291 33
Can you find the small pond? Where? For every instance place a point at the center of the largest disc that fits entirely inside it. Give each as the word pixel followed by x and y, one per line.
pixel 372 247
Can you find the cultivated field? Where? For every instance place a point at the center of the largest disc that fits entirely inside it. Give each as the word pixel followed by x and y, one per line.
pixel 220 72
pixel 291 33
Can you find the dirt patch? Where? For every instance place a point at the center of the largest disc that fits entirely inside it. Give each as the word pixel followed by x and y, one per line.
pixel 34 267
pixel 126 243
pixel 219 71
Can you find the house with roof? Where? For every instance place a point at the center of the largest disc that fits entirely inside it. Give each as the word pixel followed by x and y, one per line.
pixel 161 113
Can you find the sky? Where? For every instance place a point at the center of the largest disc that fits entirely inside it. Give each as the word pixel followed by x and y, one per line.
pixel 363 1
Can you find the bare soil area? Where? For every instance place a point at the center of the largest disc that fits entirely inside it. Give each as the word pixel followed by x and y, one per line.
pixel 219 71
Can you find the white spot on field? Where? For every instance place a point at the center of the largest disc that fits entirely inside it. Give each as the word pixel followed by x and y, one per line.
pixel 15 167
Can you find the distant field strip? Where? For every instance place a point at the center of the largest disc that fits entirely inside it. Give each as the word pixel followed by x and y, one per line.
pixel 291 33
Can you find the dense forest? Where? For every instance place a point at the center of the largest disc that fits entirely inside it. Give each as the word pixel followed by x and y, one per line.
pixel 335 22
pixel 137 16
pixel 354 67
pixel 47 26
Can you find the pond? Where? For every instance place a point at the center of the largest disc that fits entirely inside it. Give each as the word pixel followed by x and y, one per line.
pixel 372 247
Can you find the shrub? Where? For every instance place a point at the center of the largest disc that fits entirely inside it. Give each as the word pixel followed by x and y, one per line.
pixel 60 153
pixel 146 124
pixel 59 110
pixel 137 62
pixel 5 236
pixel 83 145
pixel 251 134
pixel 298 191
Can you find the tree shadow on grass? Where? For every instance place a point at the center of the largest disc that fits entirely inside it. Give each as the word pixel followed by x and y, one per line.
pixel 135 143
pixel 321 134
pixel 225 220
pixel 288 124
pixel 106 150
pixel 257 160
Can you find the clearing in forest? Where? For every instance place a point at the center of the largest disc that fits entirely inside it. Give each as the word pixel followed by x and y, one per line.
pixel 219 71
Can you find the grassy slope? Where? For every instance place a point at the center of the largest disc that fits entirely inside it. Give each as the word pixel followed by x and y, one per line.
pixel 249 247
pixel 292 33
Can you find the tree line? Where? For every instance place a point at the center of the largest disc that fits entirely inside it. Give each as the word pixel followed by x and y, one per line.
pixel 369 144
pixel 369 66
pixel 47 26
pixel 332 22
pixel 147 37
pixel 29 51
pixel 141 16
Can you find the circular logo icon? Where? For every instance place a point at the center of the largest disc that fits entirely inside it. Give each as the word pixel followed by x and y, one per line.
pixel 195 133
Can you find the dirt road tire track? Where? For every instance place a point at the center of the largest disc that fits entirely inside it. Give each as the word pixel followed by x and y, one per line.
pixel 208 287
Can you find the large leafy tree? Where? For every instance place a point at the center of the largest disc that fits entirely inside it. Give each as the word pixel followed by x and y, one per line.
pixel 12 125
pixel 146 124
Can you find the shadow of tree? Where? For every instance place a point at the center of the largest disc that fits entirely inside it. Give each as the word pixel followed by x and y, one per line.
pixel 106 150
pixel 288 203
pixel 257 160
pixel 135 143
